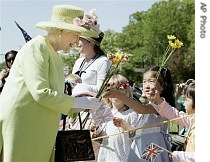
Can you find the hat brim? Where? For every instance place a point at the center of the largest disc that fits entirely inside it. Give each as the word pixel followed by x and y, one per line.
pixel 45 25
pixel 90 40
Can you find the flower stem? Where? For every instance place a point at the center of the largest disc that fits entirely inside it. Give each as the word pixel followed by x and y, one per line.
pixel 109 74
pixel 172 51
pixel 163 62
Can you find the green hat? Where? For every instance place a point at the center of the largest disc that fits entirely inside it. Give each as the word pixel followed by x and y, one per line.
pixel 63 17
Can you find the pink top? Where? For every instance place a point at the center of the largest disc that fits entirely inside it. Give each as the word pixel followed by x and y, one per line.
pixel 165 110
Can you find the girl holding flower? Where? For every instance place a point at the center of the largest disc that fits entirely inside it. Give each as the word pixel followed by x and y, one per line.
pixel 148 115
pixel 115 148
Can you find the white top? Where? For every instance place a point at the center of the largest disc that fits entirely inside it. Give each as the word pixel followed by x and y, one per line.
pixel 116 148
pixel 95 72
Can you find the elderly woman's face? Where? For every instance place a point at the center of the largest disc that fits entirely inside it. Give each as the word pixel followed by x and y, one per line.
pixel 68 39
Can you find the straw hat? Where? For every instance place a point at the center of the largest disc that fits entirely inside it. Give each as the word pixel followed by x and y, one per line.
pixel 96 41
pixel 92 18
pixel 63 17
pixel 83 89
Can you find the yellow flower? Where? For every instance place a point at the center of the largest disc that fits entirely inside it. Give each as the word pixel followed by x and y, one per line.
pixel 178 43
pixel 116 59
pixel 171 37
pixel 172 46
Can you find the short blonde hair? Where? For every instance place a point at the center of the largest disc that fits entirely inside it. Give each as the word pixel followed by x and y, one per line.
pixel 120 82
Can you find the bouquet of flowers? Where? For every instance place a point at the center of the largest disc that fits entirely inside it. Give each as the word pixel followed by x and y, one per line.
pixel 116 59
pixel 174 44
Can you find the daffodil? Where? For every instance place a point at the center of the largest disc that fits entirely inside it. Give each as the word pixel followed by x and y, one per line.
pixel 116 59
pixel 178 43
pixel 171 37
pixel 173 44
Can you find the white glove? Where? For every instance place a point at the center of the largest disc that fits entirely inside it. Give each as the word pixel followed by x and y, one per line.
pixel 87 103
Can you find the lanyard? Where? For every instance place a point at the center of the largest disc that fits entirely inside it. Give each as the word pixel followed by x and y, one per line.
pixel 82 68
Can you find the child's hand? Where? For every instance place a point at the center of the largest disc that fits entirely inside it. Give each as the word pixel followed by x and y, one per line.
pixel 113 93
pixel 151 92
pixel 155 94
pixel 179 89
pixel 93 127
pixel 93 130
pixel 118 122
pixel 4 73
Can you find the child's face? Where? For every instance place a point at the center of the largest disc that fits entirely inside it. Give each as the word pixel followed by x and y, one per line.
pixel 188 103
pixel 149 80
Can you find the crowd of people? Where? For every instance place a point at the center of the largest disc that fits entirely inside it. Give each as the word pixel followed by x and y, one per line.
pixel 41 97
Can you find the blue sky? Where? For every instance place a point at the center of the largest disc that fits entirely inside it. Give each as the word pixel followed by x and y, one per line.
pixel 112 14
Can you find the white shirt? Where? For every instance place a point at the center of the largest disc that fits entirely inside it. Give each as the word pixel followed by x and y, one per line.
pixel 95 72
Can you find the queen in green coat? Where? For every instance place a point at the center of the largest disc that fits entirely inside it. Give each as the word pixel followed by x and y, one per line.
pixel 33 97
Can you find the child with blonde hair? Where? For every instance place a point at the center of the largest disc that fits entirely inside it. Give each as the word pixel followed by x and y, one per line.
pixel 157 134
pixel 116 148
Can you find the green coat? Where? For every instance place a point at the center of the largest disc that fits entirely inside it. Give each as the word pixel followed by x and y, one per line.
pixel 31 104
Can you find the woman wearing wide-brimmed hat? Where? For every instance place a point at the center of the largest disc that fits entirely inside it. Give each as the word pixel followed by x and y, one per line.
pixel 33 99
pixel 93 64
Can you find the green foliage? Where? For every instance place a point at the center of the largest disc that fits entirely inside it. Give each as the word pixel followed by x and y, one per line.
pixel 2 65
pixel 145 37
pixel 70 58
pixel 69 61
pixel 110 41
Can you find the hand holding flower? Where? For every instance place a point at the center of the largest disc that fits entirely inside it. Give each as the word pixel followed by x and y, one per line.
pixel 173 44
pixel 112 93
pixel 155 95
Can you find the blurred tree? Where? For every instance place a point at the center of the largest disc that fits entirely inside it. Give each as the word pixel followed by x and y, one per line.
pixel 145 37
pixel 110 41
pixel 2 65
pixel 70 58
